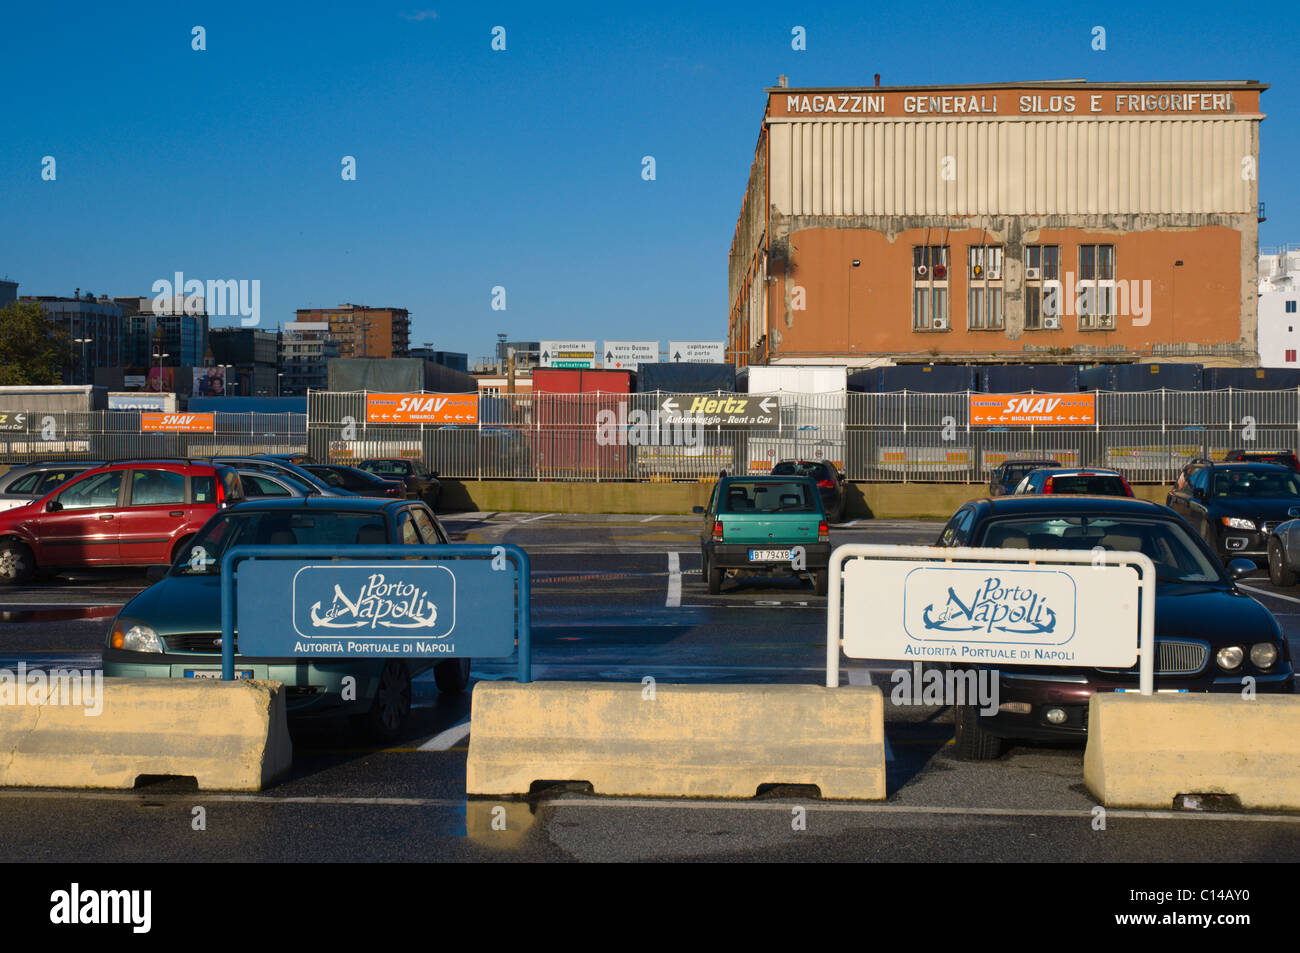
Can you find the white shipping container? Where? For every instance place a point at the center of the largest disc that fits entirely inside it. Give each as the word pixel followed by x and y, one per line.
pixel 806 379
pixel 142 400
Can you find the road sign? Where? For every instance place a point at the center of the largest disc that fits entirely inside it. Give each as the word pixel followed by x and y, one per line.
pixel 176 423
pixel 724 410
pixel 11 421
pixel 626 355
pixel 697 352
pixel 422 408
pixel 576 354
pixel 381 601
pixel 1000 410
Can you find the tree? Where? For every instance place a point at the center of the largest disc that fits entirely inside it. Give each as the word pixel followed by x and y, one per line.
pixel 32 348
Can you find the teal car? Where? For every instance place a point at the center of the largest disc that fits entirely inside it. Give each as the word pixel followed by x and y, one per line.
pixel 173 628
pixel 770 525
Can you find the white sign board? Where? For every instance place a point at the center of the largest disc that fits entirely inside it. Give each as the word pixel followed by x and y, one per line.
pixel 626 355
pixel 992 613
pixel 697 352
pixel 580 354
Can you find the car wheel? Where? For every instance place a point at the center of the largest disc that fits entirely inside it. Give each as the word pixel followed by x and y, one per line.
pixel 821 581
pixel 973 742
pixel 17 564
pixel 1278 571
pixel 452 676
pixel 715 580
pixel 391 707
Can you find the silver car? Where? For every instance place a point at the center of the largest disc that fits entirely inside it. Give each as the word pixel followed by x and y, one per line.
pixel 21 485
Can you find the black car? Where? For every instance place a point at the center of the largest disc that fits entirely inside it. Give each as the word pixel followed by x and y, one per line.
pixel 1235 506
pixel 420 483
pixel 1007 477
pixel 1209 634
pixel 358 481
pixel 830 483
pixel 1286 458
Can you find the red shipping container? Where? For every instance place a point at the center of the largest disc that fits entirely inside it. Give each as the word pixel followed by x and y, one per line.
pixel 566 404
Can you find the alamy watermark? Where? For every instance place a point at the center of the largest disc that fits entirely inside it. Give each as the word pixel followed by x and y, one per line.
pixel 641 428
pixel 946 687
pixel 82 688
pixel 1098 298
pixel 228 297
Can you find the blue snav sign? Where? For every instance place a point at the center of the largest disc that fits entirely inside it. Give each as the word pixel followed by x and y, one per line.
pixel 376 602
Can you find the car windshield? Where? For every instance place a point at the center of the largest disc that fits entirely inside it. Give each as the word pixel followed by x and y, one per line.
pixel 275 528
pixel 384 467
pixel 1021 470
pixel 770 496
pixel 815 470
pixel 1247 483
pixel 1097 484
pixel 1177 558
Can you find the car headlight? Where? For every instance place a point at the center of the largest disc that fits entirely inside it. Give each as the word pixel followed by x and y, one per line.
pixel 1236 522
pixel 1230 658
pixel 1263 654
pixel 135 637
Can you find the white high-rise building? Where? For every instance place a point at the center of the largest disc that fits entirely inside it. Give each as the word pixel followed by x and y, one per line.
pixel 1279 314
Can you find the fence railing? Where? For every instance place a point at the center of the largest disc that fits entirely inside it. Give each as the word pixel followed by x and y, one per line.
pixel 904 437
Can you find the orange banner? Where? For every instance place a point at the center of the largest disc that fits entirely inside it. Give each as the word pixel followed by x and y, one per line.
pixel 176 423
pixel 1020 410
pixel 422 408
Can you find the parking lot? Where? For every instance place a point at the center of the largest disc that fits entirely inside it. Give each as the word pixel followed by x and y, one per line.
pixel 614 598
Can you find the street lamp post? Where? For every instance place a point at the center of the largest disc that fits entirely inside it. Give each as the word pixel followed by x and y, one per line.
pixel 85 371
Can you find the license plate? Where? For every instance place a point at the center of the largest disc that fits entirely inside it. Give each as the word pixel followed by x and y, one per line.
pixel 1159 691
pixel 768 555
pixel 216 673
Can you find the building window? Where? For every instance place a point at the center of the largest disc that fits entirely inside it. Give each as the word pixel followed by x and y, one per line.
pixel 984 296
pixel 930 288
pixel 1290 307
pixel 1096 288
pixel 1042 265
pixel 1290 357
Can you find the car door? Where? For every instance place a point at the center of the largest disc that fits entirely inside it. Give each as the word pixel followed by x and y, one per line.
pixel 154 511
pixel 1195 501
pixel 83 528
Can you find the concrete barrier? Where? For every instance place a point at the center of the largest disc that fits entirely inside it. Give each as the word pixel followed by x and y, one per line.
pixel 677 740
pixel 227 735
pixel 1145 751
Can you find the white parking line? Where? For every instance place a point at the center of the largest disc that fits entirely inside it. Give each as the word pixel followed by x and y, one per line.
pixel 1265 592
pixel 445 740
pixel 674 581
pixel 649 518
pixel 529 519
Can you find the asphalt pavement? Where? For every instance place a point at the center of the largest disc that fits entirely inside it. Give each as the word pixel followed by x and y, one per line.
pixel 614 598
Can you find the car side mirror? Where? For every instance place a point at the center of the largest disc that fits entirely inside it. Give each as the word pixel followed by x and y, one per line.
pixel 53 506
pixel 1241 568
pixel 1198 493
pixel 697 510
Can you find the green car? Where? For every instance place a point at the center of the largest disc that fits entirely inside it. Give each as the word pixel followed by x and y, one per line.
pixel 773 525
pixel 173 628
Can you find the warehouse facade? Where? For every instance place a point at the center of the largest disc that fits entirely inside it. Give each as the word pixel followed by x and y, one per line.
pixel 1048 221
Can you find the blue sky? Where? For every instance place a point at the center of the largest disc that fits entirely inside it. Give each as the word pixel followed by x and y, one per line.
pixel 520 168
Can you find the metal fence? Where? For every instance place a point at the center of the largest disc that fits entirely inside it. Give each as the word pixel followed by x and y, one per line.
pixel 903 437
pixel 117 435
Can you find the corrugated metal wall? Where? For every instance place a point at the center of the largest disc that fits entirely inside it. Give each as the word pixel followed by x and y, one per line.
pixel 1012 166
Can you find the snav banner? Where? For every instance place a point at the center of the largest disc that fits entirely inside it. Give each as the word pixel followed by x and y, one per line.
pixel 1009 613
pixel 176 423
pixel 1001 410
pixel 422 408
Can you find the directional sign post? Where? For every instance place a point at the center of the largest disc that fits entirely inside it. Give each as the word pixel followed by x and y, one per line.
pixel 572 354
pixel 626 355
pixel 349 602
pixel 697 352
pixel 724 410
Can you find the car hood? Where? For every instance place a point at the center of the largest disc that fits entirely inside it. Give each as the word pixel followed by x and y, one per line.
pixel 178 605
pixel 1263 508
pixel 1211 614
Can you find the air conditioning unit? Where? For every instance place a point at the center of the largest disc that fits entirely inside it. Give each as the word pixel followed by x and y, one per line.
pixel 922 271
pixel 994 274
pixel 1052 323
pixel 1033 274
pixel 940 324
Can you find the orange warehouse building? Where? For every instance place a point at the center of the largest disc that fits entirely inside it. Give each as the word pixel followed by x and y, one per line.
pixel 1046 221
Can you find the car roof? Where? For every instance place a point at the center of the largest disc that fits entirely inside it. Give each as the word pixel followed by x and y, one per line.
pixel 1045 462
pixel 1080 504
pixel 1089 471
pixel 346 504
pixel 783 477
pixel 1250 465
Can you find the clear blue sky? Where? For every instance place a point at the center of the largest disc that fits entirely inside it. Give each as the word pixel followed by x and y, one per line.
pixel 521 169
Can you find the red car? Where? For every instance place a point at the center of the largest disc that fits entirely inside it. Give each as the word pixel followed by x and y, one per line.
pixel 132 513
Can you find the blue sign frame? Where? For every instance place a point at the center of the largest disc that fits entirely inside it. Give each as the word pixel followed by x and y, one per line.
pixel 399 554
